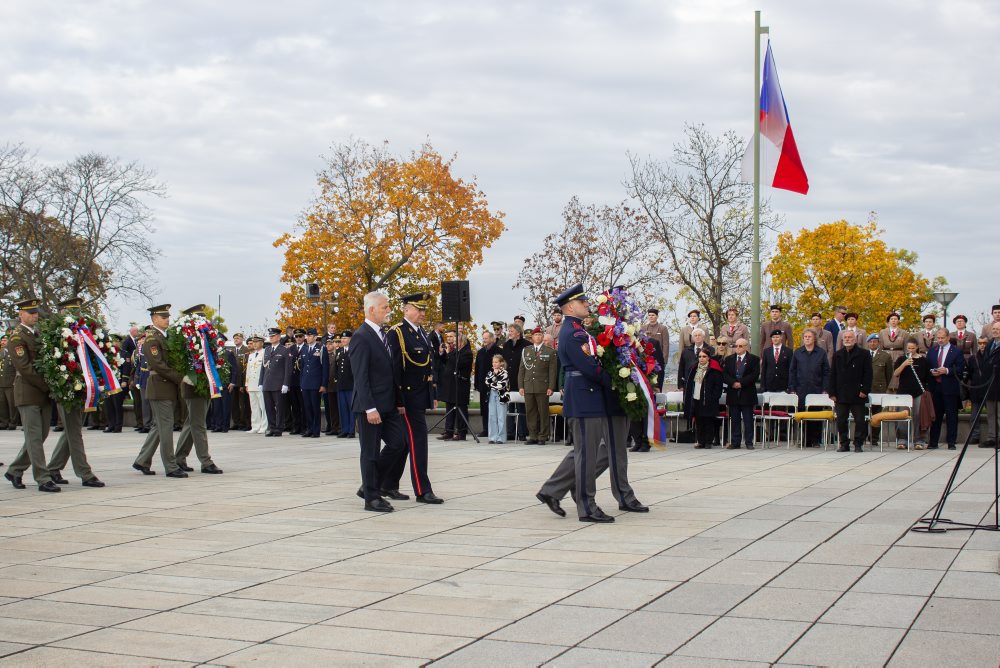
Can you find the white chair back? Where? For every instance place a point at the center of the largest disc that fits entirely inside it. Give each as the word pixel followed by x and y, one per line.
pixel 516 397
pixel 556 398
pixel 877 399
pixel 818 401
pixel 782 400
pixel 897 401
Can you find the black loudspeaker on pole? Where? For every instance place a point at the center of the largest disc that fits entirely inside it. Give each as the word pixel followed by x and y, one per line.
pixel 455 305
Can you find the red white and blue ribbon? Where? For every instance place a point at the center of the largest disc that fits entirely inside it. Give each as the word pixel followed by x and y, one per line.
pixel 208 361
pixel 97 373
pixel 654 428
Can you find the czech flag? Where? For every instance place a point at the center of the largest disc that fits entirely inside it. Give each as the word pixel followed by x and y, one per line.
pixel 780 165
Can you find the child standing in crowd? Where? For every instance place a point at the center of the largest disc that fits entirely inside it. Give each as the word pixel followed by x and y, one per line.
pixel 496 381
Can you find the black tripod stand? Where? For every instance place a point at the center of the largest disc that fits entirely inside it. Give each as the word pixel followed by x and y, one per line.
pixel 454 404
pixel 932 522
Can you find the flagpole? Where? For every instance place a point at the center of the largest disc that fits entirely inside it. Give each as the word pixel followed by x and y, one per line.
pixel 755 280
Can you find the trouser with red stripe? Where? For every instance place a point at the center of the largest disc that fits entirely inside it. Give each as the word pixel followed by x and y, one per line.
pixel 415 430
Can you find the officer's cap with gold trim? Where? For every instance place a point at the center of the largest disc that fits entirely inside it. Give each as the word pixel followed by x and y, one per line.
pixel 574 293
pixel 162 309
pixel 29 305
pixel 75 302
pixel 197 309
pixel 418 299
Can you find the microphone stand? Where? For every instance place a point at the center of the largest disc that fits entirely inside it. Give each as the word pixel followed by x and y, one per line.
pixel 932 522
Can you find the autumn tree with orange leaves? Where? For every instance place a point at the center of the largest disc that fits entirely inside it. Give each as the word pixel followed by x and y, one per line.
pixel 843 263
pixel 381 222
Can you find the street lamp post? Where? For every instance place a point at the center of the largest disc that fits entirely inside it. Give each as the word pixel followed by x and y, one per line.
pixel 313 294
pixel 944 299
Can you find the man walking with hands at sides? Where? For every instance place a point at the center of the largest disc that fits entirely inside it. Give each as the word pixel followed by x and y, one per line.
pixel 31 395
pixel 413 360
pixel 378 402
pixel 163 392
pixel 586 395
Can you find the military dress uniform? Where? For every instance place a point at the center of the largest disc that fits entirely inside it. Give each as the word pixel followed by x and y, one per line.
pixel 31 396
pixel 194 432
pixel 586 397
pixel 310 380
pixel 70 446
pixel 413 358
pixel 537 376
pixel 8 409
pixel 295 415
pixel 163 393
pixel 345 388
pixel 330 391
pixel 240 399
pixel 277 375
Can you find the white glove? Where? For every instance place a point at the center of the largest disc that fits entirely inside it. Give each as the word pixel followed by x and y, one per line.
pixel 188 380
pixel 260 387
pixel 284 389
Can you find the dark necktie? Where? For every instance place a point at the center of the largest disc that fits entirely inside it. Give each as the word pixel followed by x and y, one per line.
pixel 739 366
pixel 383 330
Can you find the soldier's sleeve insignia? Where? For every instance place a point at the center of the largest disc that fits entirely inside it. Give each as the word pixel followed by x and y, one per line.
pixel 154 351
pixel 19 351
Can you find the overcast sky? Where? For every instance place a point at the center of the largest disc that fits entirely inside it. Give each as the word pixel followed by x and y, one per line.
pixel 894 105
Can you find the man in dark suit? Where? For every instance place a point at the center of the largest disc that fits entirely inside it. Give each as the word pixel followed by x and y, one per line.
pixel 378 402
pixel 511 352
pixel 345 386
pixel 310 380
pixel 947 366
pixel 689 356
pixel 275 377
pixel 129 346
pixel 835 324
pixel 850 385
pixel 775 363
pixel 740 371
pixel 329 388
pixel 484 363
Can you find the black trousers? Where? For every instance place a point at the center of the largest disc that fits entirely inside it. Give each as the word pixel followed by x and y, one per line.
pixel 415 429
pixel 484 409
pixel 332 414
pixel 391 430
pixel 945 411
pixel 860 426
pixel 705 428
pixel 454 424
pixel 115 409
pixel 294 416
pixel 741 423
pixel 274 408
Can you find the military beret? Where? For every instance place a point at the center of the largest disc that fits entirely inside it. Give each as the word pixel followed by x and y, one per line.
pixel 654 311
pixel 777 332
pixel 888 317
pixel 537 330
pixel 695 311
pixel 776 307
pixel 931 316
pixel 872 337
pixel 954 320
pixel 816 315
pixel 851 315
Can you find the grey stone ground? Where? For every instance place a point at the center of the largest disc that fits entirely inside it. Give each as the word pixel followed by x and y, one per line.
pixel 773 556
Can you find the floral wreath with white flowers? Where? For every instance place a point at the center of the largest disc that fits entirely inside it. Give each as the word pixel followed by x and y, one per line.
pixel 195 349
pixel 78 359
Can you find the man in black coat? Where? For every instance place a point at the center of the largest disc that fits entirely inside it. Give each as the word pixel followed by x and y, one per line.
pixel 775 363
pixel 345 386
pixel 740 372
pixel 378 402
pixel 455 386
pixel 850 384
pixel 484 363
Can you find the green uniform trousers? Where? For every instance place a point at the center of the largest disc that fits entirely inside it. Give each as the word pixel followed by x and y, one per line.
pixel 160 436
pixel 36 429
pixel 70 445
pixel 194 432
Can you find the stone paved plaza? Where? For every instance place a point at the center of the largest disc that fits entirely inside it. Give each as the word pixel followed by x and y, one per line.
pixel 750 558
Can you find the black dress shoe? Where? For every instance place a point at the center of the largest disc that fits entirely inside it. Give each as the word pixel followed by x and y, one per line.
pixel 93 482
pixel 56 428
pixel 445 437
pixel 733 447
pixel 634 448
pixel 379 506
pixel 458 438
pixel 177 474
pixel 430 497
pixel 184 467
pixel 342 436
pixel 394 494
pixel 552 502
pixel 634 507
pixel 143 430
pixel 597 516
pixel 329 433
pixel 295 432
pixel 15 480
pixel 951 447
pixel 858 448
pixel 644 448
pixel 93 428
pixel 750 447
pixel 49 486
pixel 58 479
pixel 109 430
pixel 145 470
pixel 211 468
pixel 531 441
pixel 541 442
pixel 843 448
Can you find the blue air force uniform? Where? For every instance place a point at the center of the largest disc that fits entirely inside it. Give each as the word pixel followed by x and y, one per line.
pixel 311 379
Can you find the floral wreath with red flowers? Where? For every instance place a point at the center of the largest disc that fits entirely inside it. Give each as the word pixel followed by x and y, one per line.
pixel 78 359
pixel 195 350
pixel 624 350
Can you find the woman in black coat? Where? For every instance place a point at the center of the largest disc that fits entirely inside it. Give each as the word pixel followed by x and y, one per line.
pixel 455 386
pixel 702 391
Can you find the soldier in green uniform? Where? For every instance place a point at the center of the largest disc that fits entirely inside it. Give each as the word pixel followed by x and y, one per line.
pixel 31 395
pixel 162 390
pixel 70 444
pixel 537 377
pixel 194 432
pixel 8 409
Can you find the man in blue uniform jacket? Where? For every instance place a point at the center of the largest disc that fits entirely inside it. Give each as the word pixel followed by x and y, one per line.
pixel 310 380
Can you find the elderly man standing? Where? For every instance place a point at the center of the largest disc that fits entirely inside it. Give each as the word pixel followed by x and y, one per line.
pixel 740 371
pixel 850 385
pixel 537 376
pixel 809 374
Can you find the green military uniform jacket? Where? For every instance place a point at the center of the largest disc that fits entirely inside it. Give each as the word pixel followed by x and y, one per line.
pixel 882 368
pixel 7 370
pixel 538 371
pixel 163 379
pixel 29 386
